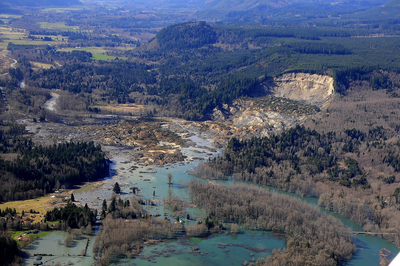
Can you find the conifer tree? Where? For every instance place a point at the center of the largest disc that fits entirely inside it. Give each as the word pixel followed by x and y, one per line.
pixel 116 188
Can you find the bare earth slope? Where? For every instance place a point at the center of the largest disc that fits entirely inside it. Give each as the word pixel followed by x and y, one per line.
pixel 292 99
pixel 312 89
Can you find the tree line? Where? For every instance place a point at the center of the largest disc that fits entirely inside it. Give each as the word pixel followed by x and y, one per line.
pixel 311 236
pixel 9 252
pixel 39 170
pixel 72 215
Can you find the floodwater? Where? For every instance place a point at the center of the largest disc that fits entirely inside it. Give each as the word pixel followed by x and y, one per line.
pixel 51 103
pixel 223 249
pixel 53 245
pixel 219 249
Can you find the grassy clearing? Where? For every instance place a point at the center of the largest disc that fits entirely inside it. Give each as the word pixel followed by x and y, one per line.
pixel 30 42
pixel 57 26
pixel 20 37
pixel 123 108
pixel 12 35
pixel 125 48
pixel 10 16
pixel 98 53
pixel 41 65
pixel 87 187
pixel 42 234
pixel 3 45
pixel 15 234
pixel 38 204
pixel 97 50
pixel 60 26
pixel 32 237
pixel 60 10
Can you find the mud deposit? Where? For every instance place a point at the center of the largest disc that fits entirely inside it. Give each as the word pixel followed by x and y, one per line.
pixel 219 249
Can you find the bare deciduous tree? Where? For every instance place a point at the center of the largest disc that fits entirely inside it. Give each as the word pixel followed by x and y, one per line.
pixel 170 179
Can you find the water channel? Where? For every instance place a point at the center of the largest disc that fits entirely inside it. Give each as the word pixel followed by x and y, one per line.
pixel 220 249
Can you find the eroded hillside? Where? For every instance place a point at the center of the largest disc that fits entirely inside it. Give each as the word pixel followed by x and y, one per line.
pixel 308 88
pixel 290 100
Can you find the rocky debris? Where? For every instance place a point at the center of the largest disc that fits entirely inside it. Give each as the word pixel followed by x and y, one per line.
pixel 140 140
pixel 293 99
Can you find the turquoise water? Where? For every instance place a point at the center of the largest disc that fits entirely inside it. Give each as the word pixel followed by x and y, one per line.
pixel 248 245
pixel 220 249
pixel 367 246
pixel 52 244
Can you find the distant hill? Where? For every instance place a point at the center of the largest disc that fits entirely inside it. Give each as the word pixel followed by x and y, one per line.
pixel 296 11
pixel 250 4
pixel 245 5
pixel 50 3
pixel 392 3
pixel 389 10
pixel 186 35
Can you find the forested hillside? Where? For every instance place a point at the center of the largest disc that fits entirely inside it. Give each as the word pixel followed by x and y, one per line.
pixel 348 157
pixel 31 171
pixel 188 69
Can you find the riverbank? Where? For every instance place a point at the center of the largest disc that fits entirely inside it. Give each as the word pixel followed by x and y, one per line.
pixel 152 180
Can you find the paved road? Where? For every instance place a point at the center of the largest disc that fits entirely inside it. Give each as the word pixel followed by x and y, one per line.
pixel 15 61
pixel 12 64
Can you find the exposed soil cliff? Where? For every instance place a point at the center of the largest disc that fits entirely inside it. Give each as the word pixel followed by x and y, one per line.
pixel 291 99
pixel 311 89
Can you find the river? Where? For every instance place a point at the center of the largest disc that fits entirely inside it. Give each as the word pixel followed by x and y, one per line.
pixel 219 249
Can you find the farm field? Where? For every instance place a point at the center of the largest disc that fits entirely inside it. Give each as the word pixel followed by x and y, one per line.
pixel 98 53
pixel 19 36
pixel 57 26
pixel 97 50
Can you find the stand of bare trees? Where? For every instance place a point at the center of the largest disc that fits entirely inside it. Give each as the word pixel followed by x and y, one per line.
pixel 120 237
pixel 311 236
pixel 377 216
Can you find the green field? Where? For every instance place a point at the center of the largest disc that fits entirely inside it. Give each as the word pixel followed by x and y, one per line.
pixel 105 57
pixel 41 65
pixel 19 37
pixel 10 16
pixel 97 50
pixel 57 26
pixel 30 42
pixel 21 244
pixel 98 53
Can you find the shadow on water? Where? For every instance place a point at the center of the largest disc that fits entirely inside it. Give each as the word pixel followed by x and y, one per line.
pixel 33 246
